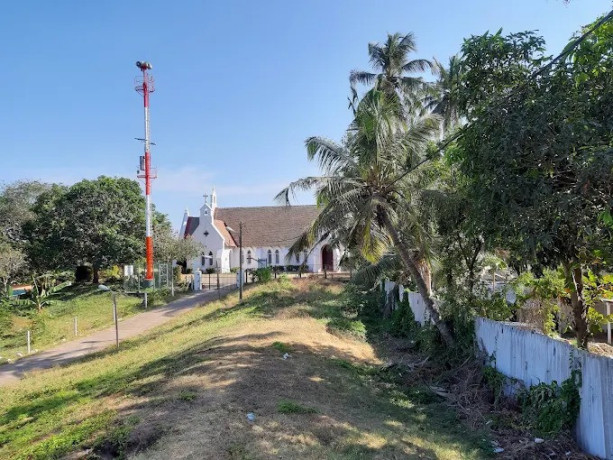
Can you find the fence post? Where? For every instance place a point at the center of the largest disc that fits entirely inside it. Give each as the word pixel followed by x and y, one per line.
pixel 76 330
pixel 145 300
pixel 29 339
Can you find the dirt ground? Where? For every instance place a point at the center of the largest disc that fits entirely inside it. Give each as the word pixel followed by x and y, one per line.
pixel 201 410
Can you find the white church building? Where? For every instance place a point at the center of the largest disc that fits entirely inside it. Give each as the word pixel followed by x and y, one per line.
pixel 268 232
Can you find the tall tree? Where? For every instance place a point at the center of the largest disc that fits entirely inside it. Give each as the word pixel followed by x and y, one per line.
pixel 537 152
pixel 11 262
pixel 367 190
pixel 100 222
pixel 16 201
pixel 393 69
pixel 443 94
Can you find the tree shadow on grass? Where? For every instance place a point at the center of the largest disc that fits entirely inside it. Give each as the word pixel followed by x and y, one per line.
pixel 225 378
pixel 195 401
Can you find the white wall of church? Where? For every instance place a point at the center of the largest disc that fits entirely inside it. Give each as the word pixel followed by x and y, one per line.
pixel 314 261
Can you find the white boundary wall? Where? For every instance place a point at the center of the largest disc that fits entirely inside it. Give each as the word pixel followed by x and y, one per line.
pixel 532 358
pixel 415 300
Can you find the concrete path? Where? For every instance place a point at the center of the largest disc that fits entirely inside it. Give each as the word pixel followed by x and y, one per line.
pixel 130 327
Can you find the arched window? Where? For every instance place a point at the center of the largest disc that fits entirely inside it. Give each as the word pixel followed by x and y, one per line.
pixel 276 257
pixel 305 256
pixel 210 258
pixel 298 258
pixel 249 258
pixel 269 257
pixel 202 260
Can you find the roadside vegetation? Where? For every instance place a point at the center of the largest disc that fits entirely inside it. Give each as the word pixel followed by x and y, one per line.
pixel 54 324
pixel 495 176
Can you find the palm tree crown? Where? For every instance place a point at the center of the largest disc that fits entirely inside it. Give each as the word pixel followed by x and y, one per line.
pixel 393 68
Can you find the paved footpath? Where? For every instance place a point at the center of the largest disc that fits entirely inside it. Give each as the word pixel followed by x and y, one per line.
pixel 129 327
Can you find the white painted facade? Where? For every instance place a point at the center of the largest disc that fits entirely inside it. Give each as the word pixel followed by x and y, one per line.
pixel 218 254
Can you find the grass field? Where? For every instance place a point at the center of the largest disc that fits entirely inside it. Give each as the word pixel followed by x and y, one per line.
pixel 55 324
pixel 184 391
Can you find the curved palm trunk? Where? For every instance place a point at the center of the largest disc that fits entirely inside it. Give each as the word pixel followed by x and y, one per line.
pixel 413 269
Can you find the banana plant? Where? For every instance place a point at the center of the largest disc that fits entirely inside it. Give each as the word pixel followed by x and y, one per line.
pixel 43 289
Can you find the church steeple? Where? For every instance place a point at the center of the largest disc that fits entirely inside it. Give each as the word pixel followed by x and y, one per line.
pixel 213 199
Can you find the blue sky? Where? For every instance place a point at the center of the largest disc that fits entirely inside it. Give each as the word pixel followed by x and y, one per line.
pixel 239 84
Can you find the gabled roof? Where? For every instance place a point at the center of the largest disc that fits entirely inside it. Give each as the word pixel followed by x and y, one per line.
pixel 191 225
pixel 267 226
pixel 221 226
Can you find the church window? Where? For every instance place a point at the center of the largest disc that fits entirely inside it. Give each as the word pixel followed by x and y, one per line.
pixel 276 256
pixel 202 260
pixel 297 258
pixel 249 257
pixel 306 256
pixel 210 258
pixel 269 257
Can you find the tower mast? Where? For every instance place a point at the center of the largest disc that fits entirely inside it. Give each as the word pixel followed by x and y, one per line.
pixel 145 86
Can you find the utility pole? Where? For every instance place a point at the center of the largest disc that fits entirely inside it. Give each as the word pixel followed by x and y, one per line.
pixel 144 85
pixel 240 262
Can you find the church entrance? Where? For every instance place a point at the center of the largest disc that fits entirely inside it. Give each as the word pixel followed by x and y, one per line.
pixel 327 258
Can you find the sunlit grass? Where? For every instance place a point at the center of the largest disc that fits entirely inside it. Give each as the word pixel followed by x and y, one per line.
pixel 83 406
pixel 92 308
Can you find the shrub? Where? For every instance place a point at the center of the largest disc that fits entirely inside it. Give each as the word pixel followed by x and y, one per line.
pixel 550 408
pixel 262 275
pixel 83 274
pixel 403 322
pixel 234 270
pixel 209 271
pixel 111 274
pixel 176 274
pixel 596 321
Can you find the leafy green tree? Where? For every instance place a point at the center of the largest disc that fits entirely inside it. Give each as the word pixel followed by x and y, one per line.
pixel 168 245
pixel 45 247
pixel 367 190
pixel 537 152
pixel 16 201
pixel 99 222
pixel 12 261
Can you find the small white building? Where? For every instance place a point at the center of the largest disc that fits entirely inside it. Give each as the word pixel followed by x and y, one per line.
pixel 268 233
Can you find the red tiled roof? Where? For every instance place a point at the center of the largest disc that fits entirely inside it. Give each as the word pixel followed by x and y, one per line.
pixel 267 226
pixel 219 224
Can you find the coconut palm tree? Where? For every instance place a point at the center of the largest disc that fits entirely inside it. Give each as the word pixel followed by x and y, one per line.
pixel 443 94
pixel 394 71
pixel 367 194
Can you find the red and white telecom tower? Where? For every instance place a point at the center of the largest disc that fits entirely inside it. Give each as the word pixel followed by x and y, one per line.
pixel 145 85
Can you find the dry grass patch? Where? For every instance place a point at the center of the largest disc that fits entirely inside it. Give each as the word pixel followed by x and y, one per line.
pixel 184 391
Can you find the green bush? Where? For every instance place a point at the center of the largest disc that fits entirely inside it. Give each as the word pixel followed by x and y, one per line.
pixel 209 271
pixel 551 408
pixel 176 274
pixel 111 274
pixel 596 321
pixel 262 275
pixel 83 274
pixel 403 322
